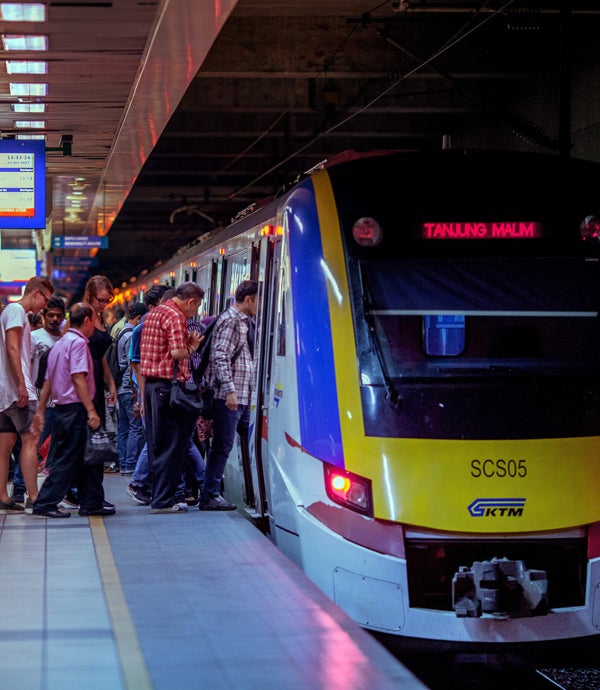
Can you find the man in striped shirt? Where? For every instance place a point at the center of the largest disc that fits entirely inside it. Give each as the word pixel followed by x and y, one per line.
pixel 230 373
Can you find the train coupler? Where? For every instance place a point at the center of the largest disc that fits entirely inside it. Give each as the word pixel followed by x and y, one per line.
pixel 499 587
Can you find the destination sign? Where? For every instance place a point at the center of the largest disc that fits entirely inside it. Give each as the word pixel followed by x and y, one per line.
pixel 501 230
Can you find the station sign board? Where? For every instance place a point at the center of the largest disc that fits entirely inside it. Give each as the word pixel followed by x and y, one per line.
pixel 79 242
pixel 22 184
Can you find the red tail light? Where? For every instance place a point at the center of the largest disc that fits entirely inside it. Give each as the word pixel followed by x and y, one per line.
pixel 349 490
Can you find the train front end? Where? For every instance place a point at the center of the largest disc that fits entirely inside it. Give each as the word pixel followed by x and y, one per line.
pixel 459 440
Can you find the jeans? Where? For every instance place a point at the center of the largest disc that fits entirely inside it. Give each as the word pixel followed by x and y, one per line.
pixel 130 434
pixel 225 424
pixel 195 462
pixel 141 474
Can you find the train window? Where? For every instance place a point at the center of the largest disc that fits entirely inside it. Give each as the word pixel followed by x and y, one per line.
pixel 444 335
pixel 281 328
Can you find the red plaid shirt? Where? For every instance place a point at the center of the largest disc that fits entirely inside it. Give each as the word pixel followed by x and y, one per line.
pixel 165 329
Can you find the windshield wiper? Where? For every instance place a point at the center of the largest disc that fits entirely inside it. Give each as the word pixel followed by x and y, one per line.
pixel 392 395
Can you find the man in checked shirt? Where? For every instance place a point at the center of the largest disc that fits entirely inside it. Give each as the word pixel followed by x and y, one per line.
pixel 166 340
pixel 230 373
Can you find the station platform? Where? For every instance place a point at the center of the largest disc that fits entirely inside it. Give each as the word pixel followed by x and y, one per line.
pixel 198 600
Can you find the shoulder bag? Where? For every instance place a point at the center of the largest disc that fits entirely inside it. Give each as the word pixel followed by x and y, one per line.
pixel 184 396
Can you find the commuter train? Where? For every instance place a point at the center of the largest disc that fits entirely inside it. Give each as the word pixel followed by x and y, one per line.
pixel 425 422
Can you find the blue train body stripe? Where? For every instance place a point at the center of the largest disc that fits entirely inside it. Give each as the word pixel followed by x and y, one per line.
pixel 315 366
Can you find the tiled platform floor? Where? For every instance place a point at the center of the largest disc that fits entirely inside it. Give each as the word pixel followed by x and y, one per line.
pixel 200 600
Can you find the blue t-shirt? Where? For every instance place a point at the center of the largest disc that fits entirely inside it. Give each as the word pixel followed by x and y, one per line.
pixel 136 339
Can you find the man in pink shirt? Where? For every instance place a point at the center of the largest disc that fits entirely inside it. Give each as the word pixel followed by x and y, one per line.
pixel 70 382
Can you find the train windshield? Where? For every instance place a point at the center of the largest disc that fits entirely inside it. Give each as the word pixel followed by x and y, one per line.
pixel 434 318
pixel 460 335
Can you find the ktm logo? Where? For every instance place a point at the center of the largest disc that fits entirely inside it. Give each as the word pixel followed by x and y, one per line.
pixel 497 507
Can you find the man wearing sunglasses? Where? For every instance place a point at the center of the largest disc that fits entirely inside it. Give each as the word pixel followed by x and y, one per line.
pixel 18 396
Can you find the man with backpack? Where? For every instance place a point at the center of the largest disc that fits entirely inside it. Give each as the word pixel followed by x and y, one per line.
pixel 230 373
pixel 128 424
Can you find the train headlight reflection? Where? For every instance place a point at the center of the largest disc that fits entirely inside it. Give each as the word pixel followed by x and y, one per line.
pixel 348 489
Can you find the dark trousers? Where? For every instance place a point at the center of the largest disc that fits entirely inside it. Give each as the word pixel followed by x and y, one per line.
pixel 225 424
pixel 168 434
pixel 67 446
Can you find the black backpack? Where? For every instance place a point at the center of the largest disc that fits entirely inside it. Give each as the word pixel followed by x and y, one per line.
pixel 112 358
pixel 42 366
pixel 199 361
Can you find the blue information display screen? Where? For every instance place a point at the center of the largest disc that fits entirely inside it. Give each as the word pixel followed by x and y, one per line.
pixel 22 184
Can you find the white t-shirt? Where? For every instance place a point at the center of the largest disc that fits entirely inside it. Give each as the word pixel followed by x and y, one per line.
pixel 41 341
pixel 14 316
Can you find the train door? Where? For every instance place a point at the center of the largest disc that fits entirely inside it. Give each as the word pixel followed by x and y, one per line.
pixel 266 330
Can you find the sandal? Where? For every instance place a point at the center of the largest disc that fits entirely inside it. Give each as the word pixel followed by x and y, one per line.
pixel 11 506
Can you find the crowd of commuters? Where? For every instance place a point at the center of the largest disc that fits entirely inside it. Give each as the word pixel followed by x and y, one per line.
pixel 163 450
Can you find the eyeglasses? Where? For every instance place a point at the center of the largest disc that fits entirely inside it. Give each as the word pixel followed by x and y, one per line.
pixel 106 300
pixel 46 298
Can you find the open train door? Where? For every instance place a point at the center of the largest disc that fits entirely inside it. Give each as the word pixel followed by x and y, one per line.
pixel 256 476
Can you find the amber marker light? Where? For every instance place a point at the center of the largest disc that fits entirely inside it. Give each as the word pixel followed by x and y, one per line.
pixel 272 231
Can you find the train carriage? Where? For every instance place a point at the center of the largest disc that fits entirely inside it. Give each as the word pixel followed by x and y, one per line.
pixel 425 424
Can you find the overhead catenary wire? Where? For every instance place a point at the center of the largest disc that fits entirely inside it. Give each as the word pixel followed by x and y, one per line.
pixel 455 40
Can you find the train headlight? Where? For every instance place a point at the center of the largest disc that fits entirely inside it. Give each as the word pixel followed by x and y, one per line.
pixel 348 489
pixel 590 229
pixel 367 232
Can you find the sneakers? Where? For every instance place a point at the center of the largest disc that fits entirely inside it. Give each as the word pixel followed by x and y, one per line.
pixel 101 512
pixel 10 506
pixel 65 504
pixel 216 503
pixel 139 495
pixel 71 500
pixel 18 497
pixel 175 508
pixel 51 513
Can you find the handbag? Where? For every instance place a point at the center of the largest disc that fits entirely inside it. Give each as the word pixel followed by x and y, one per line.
pixel 184 396
pixel 100 447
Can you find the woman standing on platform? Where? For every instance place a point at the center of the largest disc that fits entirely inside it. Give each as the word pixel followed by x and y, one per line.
pixel 99 294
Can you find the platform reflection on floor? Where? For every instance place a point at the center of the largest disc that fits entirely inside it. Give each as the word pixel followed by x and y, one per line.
pixel 201 600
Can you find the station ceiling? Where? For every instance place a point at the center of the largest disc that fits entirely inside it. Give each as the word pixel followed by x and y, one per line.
pixel 184 112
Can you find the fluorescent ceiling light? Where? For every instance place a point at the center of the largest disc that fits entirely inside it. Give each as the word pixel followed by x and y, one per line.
pixel 29 107
pixel 20 42
pixel 22 12
pixel 30 124
pixel 26 67
pixel 28 89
